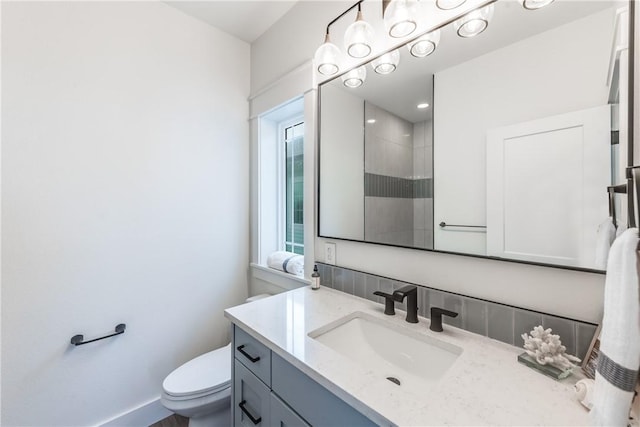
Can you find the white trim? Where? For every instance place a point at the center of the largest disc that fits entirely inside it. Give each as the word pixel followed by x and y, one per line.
pixel 277 276
pixel 306 64
pixel 144 415
pixel 291 121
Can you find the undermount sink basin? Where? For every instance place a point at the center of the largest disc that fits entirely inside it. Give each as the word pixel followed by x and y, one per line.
pixel 403 357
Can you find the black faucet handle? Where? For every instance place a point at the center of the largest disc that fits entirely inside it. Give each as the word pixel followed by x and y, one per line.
pixel 389 308
pixel 436 318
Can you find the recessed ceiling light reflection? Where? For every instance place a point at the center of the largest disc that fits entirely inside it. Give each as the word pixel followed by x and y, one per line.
pixel 371 121
pixel 423 105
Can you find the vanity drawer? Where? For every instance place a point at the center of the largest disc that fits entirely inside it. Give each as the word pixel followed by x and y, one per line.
pixel 313 402
pixel 283 416
pixel 252 354
pixel 251 398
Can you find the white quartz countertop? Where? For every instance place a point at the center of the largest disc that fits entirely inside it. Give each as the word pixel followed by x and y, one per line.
pixel 485 386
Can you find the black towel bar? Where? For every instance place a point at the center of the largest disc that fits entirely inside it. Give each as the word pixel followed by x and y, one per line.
pixel 78 339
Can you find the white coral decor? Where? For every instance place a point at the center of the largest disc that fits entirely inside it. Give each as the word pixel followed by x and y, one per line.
pixel 547 349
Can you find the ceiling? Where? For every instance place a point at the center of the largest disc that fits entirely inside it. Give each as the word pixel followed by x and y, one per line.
pixel 245 19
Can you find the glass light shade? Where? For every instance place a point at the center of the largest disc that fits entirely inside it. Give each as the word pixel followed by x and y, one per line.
pixel 425 45
pixel 326 58
pixel 535 4
pixel 358 38
pixel 387 63
pixel 400 18
pixel 449 4
pixel 474 22
pixel 355 77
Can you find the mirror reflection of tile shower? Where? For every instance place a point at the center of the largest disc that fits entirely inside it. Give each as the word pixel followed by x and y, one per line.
pixel 398 189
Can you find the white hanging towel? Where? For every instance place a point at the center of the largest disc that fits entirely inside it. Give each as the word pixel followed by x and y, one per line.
pixel 606 236
pixel 619 356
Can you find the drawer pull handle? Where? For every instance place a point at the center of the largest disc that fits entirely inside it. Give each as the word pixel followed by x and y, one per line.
pixel 254 420
pixel 247 355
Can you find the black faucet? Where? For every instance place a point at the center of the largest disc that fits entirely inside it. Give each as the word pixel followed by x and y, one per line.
pixel 436 318
pixel 411 292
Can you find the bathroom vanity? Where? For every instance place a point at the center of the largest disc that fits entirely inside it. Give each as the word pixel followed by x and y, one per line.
pixel 322 357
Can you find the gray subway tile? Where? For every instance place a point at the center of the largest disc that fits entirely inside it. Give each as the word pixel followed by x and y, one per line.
pixel 524 322
pixel 423 301
pixel 453 303
pixel 475 316
pixel 371 285
pixel 346 281
pixel 338 278
pixel 436 299
pixel 359 284
pixel 563 327
pixel 500 323
pixel 584 335
pixel 326 276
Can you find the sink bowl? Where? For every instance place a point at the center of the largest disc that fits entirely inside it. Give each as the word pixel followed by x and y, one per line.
pixel 408 359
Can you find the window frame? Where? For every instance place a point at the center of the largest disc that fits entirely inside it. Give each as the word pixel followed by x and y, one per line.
pixel 282 126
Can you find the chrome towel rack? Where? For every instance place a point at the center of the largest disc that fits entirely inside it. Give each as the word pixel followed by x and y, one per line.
pixel 79 339
pixel 444 224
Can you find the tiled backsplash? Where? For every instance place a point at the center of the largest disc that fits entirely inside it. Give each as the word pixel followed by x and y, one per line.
pixel 493 320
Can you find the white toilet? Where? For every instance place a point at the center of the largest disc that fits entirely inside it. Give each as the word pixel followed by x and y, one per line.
pixel 201 388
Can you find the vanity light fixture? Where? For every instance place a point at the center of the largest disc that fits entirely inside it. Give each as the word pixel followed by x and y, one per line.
pixel 386 63
pixel 355 78
pixel 449 4
pixel 358 37
pixel 423 106
pixel 535 4
pixel 425 45
pixel 400 18
pixel 327 56
pixel 474 22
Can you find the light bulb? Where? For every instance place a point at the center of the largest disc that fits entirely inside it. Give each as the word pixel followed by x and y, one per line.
pixel 425 45
pixel 358 38
pixel 449 4
pixel 386 63
pixel 326 57
pixel 474 22
pixel 400 18
pixel 355 77
pixel 535 4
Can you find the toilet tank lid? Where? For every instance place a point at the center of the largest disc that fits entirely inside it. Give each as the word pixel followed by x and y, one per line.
pixel 209 372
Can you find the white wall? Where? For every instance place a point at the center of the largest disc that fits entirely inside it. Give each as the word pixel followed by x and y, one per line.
pixel 124 199
pixel 540 288
pixel 505 87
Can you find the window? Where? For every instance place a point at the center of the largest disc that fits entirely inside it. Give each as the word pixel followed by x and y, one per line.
pixel 293 138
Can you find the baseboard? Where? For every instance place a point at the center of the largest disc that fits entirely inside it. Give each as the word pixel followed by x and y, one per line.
pixel 142 416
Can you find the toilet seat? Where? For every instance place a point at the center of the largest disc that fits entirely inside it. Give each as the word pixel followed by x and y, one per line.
pixel 202 376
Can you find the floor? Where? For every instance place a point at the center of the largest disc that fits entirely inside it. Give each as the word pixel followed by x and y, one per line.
pixel 172 421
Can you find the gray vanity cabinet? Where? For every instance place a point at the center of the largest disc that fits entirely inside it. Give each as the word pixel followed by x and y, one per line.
pixel 283 416
pixel 269 391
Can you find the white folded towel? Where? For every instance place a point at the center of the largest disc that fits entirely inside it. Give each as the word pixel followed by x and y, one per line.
pixel 606 236
pixel 287 262
pixel 619 356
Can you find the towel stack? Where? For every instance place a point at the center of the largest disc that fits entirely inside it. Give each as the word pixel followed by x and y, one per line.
pixel 287 262
pixel 619 357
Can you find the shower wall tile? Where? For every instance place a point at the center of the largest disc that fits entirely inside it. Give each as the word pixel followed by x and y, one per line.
pixel 494 320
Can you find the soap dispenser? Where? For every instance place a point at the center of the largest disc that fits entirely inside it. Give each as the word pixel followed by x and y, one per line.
pixel 315 279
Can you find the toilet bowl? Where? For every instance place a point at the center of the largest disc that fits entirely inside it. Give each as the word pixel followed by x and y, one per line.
pixel 201 388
